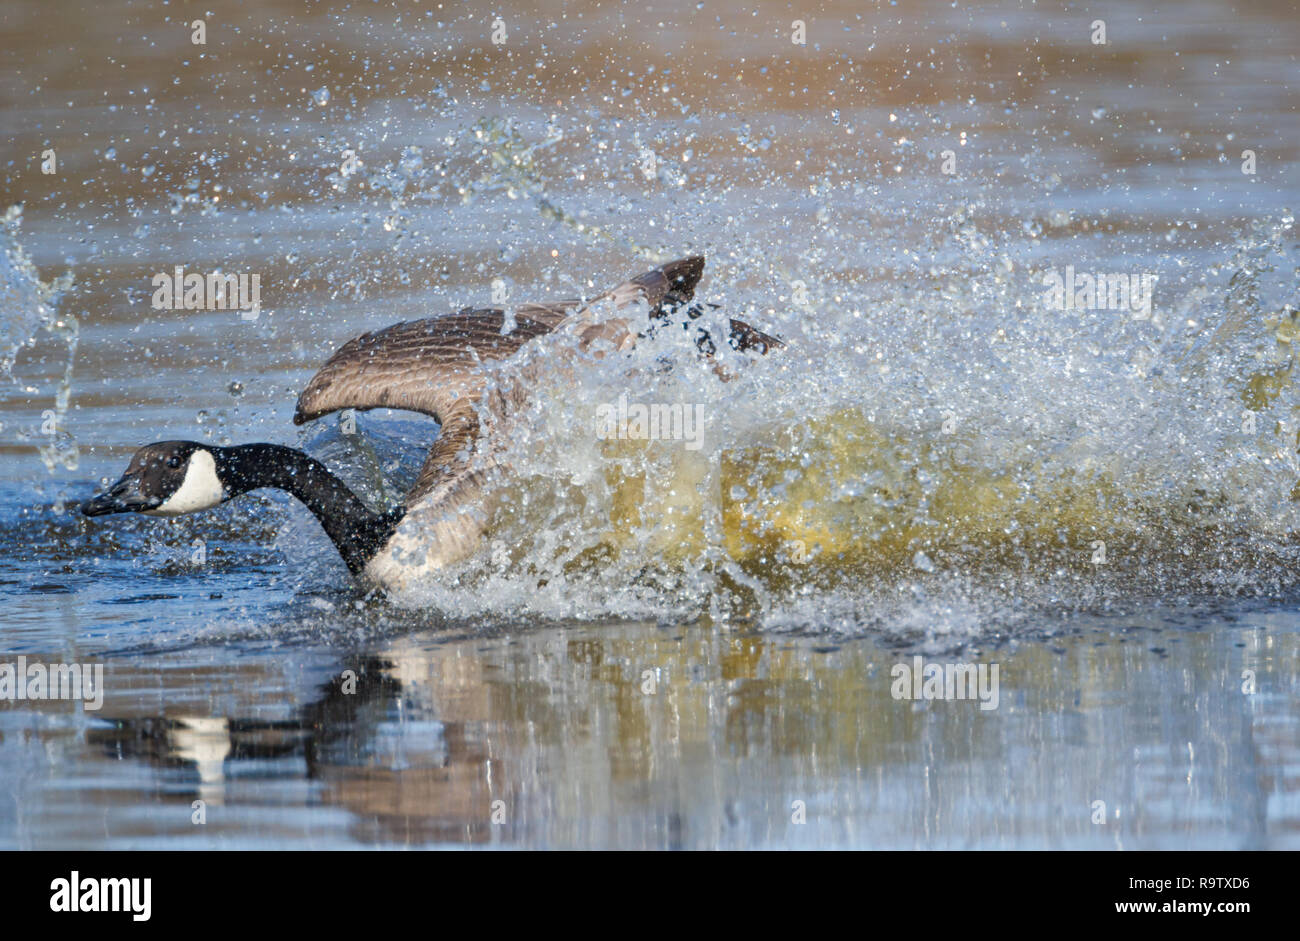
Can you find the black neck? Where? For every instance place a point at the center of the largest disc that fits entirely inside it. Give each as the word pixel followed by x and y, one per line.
pixel 355 530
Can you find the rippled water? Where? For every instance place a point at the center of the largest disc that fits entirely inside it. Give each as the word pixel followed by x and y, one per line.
pixel 663 645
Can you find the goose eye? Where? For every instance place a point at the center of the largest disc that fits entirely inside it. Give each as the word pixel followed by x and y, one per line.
pixel 173 461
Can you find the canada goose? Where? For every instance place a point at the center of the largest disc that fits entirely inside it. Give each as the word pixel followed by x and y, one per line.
pixel 434 366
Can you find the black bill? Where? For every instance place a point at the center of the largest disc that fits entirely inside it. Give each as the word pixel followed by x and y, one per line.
pixel 123 497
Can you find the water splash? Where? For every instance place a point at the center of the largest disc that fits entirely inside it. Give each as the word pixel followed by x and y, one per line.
pixel 29 309
pixel 512 168
pixel 970 467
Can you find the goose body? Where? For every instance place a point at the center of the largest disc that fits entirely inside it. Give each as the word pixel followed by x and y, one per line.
pixel 440 367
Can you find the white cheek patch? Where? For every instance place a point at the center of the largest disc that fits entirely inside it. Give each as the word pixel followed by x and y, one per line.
pixel 200 489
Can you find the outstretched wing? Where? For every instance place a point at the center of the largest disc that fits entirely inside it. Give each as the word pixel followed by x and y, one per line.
pixel 435 366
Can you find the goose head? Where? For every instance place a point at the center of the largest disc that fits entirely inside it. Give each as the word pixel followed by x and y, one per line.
pixel 163 479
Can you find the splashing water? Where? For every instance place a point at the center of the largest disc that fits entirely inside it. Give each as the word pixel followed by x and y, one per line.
pixel 890 466
pixel 935 444
pixel 28 310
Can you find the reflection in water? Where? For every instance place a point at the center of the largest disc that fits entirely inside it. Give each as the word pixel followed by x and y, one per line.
pixel 638 735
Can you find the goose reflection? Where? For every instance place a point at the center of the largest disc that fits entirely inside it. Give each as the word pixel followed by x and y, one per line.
pixel 368 741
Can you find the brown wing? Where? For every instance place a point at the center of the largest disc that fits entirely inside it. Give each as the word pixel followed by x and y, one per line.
pixel 434 366
pixel 671 284
pixel 431 366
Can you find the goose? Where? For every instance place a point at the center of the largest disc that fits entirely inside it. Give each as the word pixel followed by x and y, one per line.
pixel 439 367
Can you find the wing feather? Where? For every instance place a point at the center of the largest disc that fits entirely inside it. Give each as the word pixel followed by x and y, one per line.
pixel 435 366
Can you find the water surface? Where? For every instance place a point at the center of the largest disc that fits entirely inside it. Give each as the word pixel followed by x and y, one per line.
pixel 662 646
